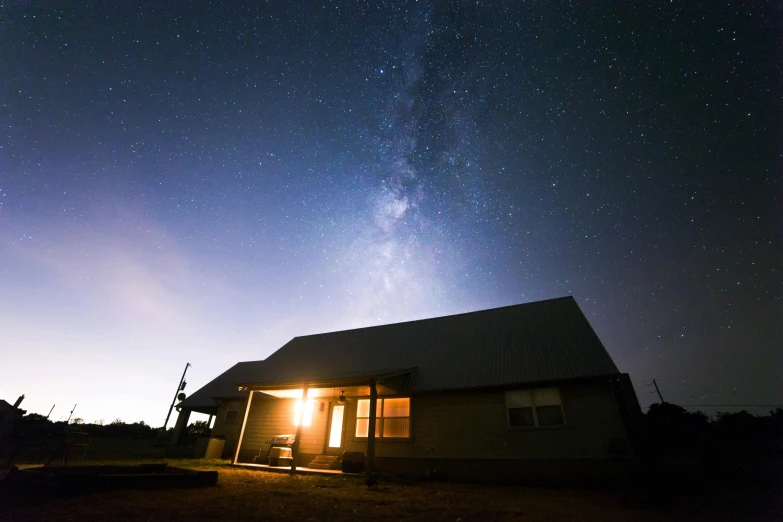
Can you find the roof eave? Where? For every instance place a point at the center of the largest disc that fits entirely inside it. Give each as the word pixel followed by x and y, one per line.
pixel 518 385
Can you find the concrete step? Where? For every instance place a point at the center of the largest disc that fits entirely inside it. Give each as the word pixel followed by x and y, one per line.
pixel 327 458
pixel 316 465
pixel 325 462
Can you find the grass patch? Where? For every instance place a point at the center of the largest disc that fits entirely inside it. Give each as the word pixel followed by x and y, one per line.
pixel 243 494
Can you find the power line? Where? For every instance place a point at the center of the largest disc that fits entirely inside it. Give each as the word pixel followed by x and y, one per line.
pixel 729 405
pixel 741 405
pixel 671 379
pixel 643 387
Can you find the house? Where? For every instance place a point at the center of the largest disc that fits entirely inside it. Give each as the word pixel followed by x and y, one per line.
pixel 10 415
pixel 222 398
pixel 525 392
pixel 10 419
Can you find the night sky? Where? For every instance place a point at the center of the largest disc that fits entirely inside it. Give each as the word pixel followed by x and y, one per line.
pixel 201 182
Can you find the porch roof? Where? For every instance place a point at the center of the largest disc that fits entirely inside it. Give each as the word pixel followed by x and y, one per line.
pixel 224 386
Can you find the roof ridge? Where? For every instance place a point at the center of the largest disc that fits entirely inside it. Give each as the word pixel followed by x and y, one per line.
pixel 517 305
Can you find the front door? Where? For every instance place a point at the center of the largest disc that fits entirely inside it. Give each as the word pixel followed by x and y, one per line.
pixel 334 437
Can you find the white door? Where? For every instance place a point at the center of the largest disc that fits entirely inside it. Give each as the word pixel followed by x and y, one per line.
pixel 335 440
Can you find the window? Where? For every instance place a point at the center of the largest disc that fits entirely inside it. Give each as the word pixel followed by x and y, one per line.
pixel 392 418
pixel 530 408
pixel 232 415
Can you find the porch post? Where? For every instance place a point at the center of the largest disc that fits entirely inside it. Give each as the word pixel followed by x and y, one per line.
pixel 180 427
pixel 371 431
pixel 298 437
pixel 244 424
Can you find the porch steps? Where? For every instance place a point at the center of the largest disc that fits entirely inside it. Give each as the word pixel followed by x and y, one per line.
pixel 325 462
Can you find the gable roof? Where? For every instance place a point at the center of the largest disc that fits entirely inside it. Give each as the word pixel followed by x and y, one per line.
pixel 6 406
pixel 224 386
pixel 534 342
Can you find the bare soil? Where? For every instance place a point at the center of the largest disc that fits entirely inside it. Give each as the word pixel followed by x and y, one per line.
pixel 243 494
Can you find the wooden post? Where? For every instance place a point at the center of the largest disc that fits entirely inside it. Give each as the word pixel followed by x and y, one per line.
pixel 244 423
pixel 371 432
pixel 298 437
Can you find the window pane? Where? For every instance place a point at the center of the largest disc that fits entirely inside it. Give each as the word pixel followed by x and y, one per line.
pixel 363 410
pixel 550 415
pixel 396 408
pixel 396 427
pixel 519 399
pixel 520 416
pixel 361 427
pixel 546 397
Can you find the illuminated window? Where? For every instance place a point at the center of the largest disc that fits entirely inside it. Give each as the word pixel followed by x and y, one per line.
pixel 530 408
pixel 305 414
pixel 392 418
pixel 232 415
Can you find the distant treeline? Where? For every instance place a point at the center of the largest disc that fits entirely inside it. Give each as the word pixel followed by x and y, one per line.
pixel 689 450
pixel 670 428
pixel 34 425
pixel 674 429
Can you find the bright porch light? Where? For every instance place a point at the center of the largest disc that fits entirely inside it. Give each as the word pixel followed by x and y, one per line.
pixel 306 416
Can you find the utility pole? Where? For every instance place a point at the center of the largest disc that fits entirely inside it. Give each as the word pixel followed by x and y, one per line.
pixel 70 414
pixel 179 388
pixel 50 411
pixel 659 391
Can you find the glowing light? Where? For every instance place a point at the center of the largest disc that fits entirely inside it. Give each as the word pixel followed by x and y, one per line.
pixel 306 416
pixel 336 430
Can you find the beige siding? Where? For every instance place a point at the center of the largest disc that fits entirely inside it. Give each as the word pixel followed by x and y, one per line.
pixel 229 429
pixel 314 436
pixel 473 425
pixel 270 416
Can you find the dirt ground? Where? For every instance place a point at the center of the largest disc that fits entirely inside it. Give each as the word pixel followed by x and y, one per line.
pixel 243 494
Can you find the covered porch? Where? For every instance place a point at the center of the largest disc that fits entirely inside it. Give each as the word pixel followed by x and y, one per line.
pixel 308 419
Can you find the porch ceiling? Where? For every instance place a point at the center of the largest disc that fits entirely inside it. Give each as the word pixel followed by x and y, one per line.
pixel 388 382
pixel 316 393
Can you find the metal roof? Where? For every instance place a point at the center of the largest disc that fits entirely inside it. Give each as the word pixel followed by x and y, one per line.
pixel 534 342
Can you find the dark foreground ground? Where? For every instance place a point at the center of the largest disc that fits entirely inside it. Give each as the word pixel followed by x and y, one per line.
pixel 261 495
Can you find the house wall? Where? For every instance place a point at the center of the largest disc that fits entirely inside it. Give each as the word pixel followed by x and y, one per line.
pixel 270 416
pixel 229 429
pixel 466 435
pixel 473 427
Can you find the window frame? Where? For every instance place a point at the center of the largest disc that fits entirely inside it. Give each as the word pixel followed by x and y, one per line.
pixel 234 420
pixel 379 420
pixel 535 425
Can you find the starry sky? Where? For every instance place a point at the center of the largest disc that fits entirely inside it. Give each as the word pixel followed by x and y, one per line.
pixel 203 181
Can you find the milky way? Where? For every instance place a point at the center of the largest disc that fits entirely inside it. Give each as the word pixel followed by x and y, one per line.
pixel 204 182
